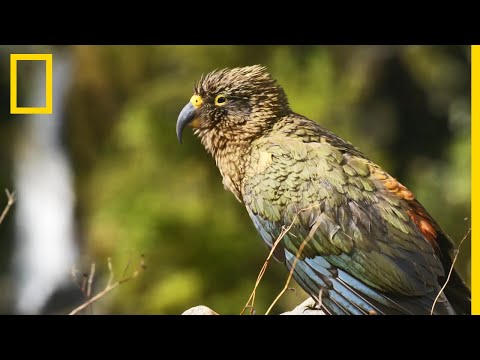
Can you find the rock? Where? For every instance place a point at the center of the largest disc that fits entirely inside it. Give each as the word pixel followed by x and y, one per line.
pixel 199 310
pixel 304 308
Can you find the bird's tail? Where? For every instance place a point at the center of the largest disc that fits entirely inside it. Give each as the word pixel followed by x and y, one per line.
pixel 458 294
pixel 456 291
pixel 342 294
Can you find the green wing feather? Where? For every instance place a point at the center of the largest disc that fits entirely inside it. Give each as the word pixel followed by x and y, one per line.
pixel 361 227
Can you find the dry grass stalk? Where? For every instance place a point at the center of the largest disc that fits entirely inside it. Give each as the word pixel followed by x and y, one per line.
pixel 11 200
pixel 110 285
pixel 450 272
pixel 295 261
pixel 251 300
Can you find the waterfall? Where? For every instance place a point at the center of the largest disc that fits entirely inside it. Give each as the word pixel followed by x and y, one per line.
pixel 44 219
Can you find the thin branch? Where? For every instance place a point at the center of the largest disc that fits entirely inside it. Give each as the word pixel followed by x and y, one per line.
pixel 127 266
pixel 294 264
pixel 90 279
pixel 95 298
pixel 450 272
pixel 110 286
pixel 11 200
pixel 84 284
pixel 251 300
pixel 110 269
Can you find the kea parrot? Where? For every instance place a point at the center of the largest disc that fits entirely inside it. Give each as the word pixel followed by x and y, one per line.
pixel 358 240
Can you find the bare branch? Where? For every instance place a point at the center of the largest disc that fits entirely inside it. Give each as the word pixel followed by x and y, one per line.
pixel 11 200
pixel 90 279
pixel 297 257
pixel 127 266
pixel 251 300
pixel 110 269
pixel 450 272
pixel 95 298
pixel 110 285
pixel 84 284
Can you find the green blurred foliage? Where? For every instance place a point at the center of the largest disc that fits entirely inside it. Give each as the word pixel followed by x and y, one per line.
pixel 140 192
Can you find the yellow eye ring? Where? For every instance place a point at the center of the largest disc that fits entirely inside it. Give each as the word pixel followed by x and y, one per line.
pixel 220 100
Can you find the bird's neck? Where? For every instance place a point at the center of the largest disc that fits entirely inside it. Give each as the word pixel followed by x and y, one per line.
pixel 231 156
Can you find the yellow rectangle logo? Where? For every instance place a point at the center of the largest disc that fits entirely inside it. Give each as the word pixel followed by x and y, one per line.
pixel 14 109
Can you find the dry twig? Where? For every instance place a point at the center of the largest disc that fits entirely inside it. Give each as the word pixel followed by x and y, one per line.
pixel 110 285
pixel 251 300
pixel 297 257
pixel 11 200
pixel 90 279
pixel 450 272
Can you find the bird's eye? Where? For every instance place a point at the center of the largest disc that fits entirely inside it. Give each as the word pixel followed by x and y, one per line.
pixel 220 100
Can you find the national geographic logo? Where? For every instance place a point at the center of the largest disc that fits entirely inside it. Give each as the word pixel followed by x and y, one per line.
pixel 14 58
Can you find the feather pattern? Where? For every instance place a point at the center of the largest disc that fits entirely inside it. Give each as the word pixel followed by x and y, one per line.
pixel 367 256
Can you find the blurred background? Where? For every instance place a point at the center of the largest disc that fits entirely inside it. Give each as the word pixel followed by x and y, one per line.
pixel 104 176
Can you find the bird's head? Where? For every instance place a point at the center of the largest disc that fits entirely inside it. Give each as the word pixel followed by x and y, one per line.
pixel 233 103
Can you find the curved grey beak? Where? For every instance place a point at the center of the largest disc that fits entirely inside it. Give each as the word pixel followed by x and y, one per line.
pixel 186 116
